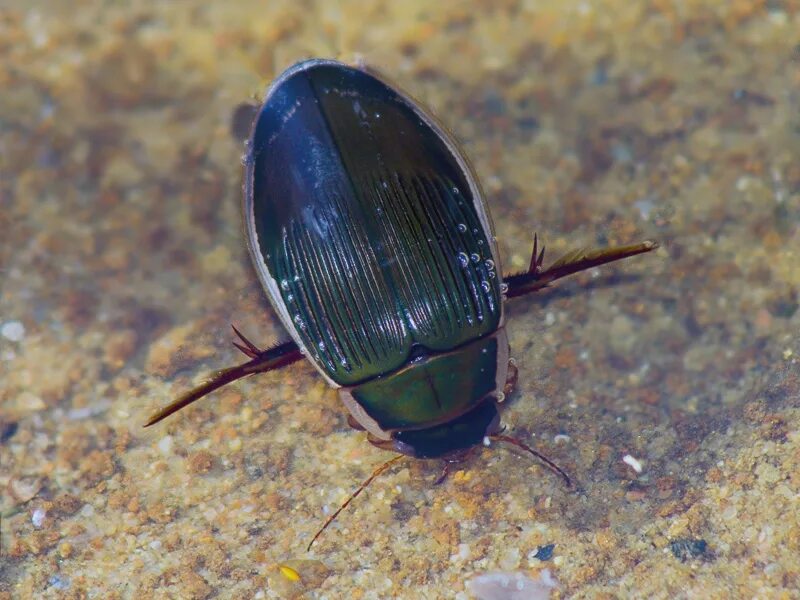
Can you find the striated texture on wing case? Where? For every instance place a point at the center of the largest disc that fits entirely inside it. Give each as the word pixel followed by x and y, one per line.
pixel 366 222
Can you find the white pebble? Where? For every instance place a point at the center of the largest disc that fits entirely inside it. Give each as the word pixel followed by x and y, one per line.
pixel 165 444
pixel 463 551
pixel 87 510
pixel 13 331
pixel 632 463
pixel 37 518
pixel 511 586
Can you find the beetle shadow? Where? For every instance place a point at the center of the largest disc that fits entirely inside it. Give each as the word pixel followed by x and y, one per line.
pixel 567 290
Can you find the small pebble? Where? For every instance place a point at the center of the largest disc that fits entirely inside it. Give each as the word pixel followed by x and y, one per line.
pixel 59 582
pixel 544 552
pixel 632 463
pixel 13 331
pixel 37 518
pixel 165 444
pixel 65 550
pixel 686 548
pixel 511 586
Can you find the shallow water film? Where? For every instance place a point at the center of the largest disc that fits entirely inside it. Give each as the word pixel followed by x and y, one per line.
pixel 667 385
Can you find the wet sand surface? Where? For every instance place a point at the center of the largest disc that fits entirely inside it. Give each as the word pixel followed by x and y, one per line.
pixel 668 385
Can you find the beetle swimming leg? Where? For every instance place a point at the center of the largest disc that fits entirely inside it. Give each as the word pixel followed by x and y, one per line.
pixel 445 472
pixel 353 496
pixel 260 361
pixel 511 378
pixel 536 278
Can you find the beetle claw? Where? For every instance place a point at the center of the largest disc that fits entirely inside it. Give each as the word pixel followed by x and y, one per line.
pixel 245 350
pixel 537 256
pixel 249 348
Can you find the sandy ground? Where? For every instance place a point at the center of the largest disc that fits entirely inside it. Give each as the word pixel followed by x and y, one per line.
pixel 122 265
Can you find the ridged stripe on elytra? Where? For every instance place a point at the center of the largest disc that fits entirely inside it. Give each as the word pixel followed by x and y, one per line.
pixel 334 321
pixel 468 308
pixel 474 296
pixel 340 300
pixel 383 209
pixel 466 296
pixel 415 203
pixel 367 226
pixel 457 240
pixel 413 225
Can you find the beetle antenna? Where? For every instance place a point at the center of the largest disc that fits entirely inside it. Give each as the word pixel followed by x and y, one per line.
pixel 376 473
pixel 261 362
pixel 547 462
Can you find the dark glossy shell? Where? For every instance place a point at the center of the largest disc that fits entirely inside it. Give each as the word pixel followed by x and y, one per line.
pixel 366 225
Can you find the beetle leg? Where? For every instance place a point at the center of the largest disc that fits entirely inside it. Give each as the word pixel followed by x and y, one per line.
pixel 388 445
pixel 511 378
pixel 353 423
pixel 261 361
pixel 440 479
pixel 536 278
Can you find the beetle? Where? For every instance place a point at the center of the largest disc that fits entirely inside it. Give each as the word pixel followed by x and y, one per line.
pixel 369 232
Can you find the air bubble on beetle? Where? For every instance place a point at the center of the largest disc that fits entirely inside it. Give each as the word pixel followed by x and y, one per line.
pixel 489 264
pixel 503 288
pixel 462 228
pixel 463 259
pixel 474 257
pixel 298 320
pixel 285 285
pixel 480 242
pixel 290 297
pixel 486 286
pixel 455 190
pixel 492 274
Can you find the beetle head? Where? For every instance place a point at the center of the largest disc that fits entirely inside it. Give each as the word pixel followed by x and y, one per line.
pixel 452 441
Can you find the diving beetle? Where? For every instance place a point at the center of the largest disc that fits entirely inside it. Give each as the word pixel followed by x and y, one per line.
pixel 370 234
